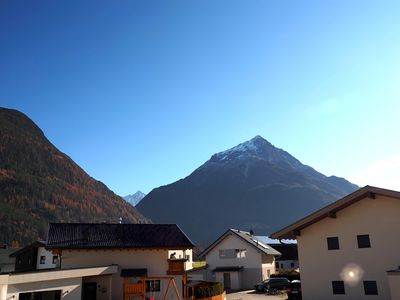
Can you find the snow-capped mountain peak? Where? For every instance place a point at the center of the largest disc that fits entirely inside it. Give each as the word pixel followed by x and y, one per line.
pixel 135 198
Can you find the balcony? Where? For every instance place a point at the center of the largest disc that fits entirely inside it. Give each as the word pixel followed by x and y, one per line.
pixel 176 266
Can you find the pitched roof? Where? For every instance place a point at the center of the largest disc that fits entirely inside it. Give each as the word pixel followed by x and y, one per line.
pixel 247 237
pixel 293 230
pixel 100 236
pixel 288 251
pixel 36 244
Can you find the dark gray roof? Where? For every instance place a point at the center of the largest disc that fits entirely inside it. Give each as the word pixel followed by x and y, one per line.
pixel 288 251
pixel 246 236
pixel 134 272
pixel 228 269
pixel 36 244
pixel 100 236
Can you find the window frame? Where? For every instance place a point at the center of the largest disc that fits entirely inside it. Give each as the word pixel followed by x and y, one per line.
pixel 338 290
pixel 153 285
pixel 42 259
pixel 374 290
pixel 333 246
pixel 362 244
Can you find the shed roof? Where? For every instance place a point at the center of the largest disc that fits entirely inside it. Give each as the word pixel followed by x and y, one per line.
pixel 100 236
pixel 293 230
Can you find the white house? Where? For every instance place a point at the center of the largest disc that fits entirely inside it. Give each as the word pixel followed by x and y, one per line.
pixel 34 257
pixel 239 260
pixel 350 248
pixel 104 262
pixel 289 259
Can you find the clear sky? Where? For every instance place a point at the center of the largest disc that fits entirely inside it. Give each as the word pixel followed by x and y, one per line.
pixel 140 93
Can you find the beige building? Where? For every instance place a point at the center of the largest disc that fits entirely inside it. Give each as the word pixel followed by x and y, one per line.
pixel 239 260
pixel 347 249
pixel 104 262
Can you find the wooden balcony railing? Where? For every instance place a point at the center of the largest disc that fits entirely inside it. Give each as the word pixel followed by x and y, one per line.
pixel 176 266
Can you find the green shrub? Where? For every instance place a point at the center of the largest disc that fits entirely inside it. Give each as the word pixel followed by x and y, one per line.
pixel 208 289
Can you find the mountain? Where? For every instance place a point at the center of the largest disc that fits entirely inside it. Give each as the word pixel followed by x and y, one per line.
pixel 251 186
pixel 40 184
pixel 135 198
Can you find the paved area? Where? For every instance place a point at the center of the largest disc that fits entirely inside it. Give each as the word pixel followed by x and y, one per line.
pixel 252 295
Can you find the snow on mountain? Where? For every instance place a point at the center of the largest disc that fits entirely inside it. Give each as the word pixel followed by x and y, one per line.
pixel 135 198
pixel 258 148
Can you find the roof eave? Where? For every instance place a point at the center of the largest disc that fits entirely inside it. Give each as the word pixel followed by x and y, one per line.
pixel 293 230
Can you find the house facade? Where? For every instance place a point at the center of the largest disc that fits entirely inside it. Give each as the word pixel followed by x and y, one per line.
pixel 7 263
pixel 239 260
pixel 34 257
pixel 183 254
pixel 347 248
pixel 104 262
pixel 289 259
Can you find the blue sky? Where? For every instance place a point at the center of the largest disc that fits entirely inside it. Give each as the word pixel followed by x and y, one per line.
pixel 140 93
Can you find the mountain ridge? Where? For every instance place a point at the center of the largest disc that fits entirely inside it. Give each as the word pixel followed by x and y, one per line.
pixel 234 182
pixel 41 184
pixel 134 199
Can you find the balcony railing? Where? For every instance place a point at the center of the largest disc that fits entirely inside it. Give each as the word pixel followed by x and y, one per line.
pixel 176 266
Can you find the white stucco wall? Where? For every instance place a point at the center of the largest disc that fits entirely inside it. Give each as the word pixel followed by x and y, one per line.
pixel 287 264
pixel 156 262
pixel 319 267
pixel 234 276
pixel 268 266
pixel 394 284
pixel 255 265
pixel 48 259
pixel 70 288
pixel 104 283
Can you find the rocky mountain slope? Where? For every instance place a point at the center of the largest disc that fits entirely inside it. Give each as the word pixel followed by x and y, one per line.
pixel 251 186
pixel 40 184
pixel 134 199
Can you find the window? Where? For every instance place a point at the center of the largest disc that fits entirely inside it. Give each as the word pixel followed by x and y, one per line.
pixel 276 265
pixel 333 243
pixel 42 260
pixel 55 259
pixel 363 241
pixel 370 288
pixel 338 287
pixel 292 265
pixel 152 285
pixel 227 253
pixel 240 253
pixel 281 266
